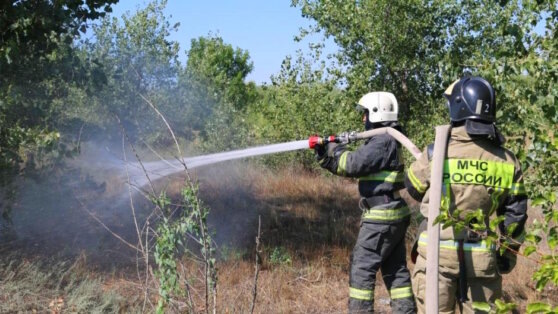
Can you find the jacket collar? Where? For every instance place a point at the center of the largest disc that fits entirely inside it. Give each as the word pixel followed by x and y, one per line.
pixel 459 133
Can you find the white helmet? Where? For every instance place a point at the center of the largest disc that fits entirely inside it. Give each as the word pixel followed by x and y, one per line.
pixel 381 106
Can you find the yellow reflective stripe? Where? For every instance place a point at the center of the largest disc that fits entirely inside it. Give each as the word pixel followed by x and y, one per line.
pixel 360 294
pixel 342 164
pixel 481 246
pixel 416 182
pixel 386 214
pixel 384 176
pixel 517 189
pixel 400 293
pixel 481 172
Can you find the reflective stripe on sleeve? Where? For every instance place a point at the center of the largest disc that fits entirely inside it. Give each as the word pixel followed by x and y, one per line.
pixel 517 189
pixel 421 188
pixel 481 246
pixel 401 292
pixel 360 294
pixel 342 164
pixel 386 214
pixel 384 176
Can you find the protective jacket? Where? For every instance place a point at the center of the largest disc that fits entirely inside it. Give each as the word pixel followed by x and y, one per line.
pixel 379 168
pixel 381 241
pixel 479 174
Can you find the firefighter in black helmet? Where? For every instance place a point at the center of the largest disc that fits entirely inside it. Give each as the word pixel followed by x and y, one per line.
pixel 478 174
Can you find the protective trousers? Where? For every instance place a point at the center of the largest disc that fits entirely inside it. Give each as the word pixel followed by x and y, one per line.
pixel 380 246
pixel 484 283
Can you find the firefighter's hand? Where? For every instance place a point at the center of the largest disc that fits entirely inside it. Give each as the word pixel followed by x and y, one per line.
pixel 506 261
pixel 331 149
pixel 320 151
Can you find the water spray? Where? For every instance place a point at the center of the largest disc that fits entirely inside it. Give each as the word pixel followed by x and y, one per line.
pixel 163 168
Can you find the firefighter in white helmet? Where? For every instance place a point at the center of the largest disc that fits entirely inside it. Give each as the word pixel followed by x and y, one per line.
pixel 479 175
pixel 378 165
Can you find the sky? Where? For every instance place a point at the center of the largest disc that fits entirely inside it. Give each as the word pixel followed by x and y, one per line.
pixel 264 28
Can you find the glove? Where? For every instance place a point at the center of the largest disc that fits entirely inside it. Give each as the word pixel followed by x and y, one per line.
pixel 506 261
pixel 323 151
pixel 320 152
pixel 331 149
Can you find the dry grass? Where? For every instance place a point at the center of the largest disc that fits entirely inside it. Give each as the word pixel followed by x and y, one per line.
pixel 33 286
pixel 309 225
pixel 518 285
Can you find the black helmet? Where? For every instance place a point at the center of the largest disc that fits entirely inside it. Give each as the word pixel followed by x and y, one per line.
pixel 471 98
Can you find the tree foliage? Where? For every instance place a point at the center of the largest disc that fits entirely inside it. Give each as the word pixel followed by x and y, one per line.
pixel 39 63
pixel 138 61
pixel 214 79
pixel 301 101
pixel 387 45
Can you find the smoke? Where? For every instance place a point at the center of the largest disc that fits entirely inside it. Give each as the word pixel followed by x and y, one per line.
pixel 229 190
pixel 52 215
pixel 72 210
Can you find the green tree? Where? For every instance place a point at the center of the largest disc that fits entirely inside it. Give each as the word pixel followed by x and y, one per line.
pixel 38 63
pixel 301 101
pixel 139 62
pixel 214 80
pixel 387 45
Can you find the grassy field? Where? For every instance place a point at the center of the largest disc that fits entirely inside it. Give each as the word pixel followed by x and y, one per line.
pixel 309 225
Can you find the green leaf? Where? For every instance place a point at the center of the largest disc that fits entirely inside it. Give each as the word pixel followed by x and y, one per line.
pixel 552 238
pixel 538 201
pixel 533 238
pixel 503 307
pixel 538 307
pixel 495 222
pixel 441 218
pixel 529 250
pixel 551 197
pixel 483 306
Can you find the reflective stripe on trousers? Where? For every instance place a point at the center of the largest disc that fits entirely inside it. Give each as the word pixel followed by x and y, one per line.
pixel 401 292
pixel 386 215
pixel 361 294
pixel 395 293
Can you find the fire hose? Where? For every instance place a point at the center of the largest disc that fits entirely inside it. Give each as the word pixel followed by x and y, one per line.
pixel 433 231
pixel 435 190
pixel 345 138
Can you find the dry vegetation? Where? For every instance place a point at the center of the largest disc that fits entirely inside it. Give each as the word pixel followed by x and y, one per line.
pixel 309 225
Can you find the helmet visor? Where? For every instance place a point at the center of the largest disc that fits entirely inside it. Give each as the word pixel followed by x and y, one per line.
pixel 360 108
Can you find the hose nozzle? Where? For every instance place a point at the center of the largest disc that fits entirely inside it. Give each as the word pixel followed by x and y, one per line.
pixel 318 140
pixel 342 138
